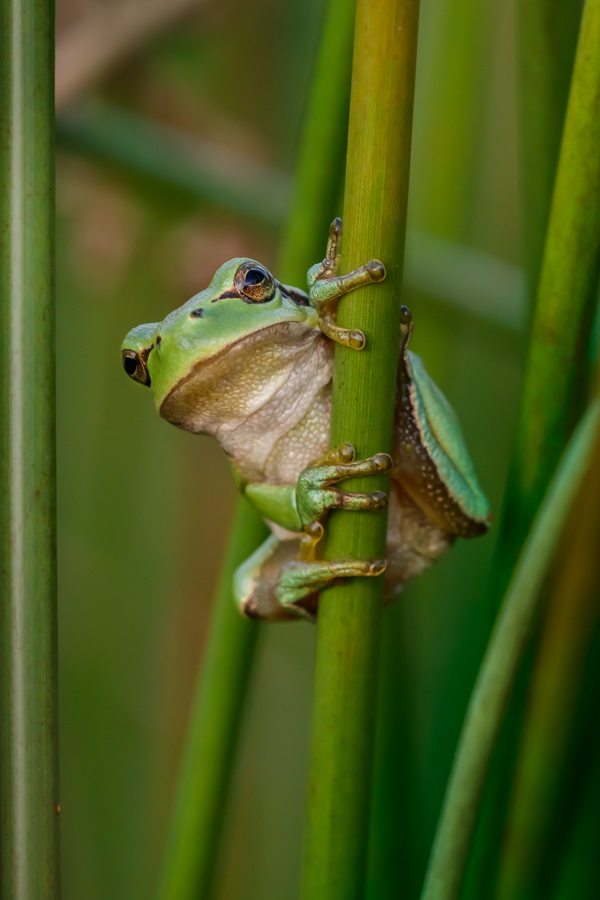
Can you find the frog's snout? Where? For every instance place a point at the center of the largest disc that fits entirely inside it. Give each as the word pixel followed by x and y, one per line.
pixel 136 365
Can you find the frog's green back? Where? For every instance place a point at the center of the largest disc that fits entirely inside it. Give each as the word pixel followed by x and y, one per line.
pixel 442 434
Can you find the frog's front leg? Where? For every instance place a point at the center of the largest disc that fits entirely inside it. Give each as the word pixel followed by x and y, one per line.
pixel 273 584
pixel 326 287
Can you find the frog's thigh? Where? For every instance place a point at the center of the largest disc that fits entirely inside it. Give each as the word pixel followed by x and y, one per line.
pixel 300 580
pixel 438 471
pixel 255 581
pixel 414 541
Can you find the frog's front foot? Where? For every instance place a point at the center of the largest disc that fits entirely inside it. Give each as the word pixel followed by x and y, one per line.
pixel 326 287
pixel 314 491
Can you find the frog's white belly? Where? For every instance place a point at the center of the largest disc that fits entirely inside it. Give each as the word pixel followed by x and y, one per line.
pixel 287 426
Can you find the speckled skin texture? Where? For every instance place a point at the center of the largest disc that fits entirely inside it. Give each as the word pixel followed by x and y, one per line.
pixel 267 400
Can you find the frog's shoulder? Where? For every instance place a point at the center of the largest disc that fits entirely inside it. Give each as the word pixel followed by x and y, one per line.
pixel 433 452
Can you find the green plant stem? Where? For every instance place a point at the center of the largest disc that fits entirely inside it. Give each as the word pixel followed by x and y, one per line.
pixel 322 148
pixel 214 728
pixel 566 641
pixel 568 630
pixel 28 749
pixel 363 402
pixel 554 390
pixel 499 668
pixel 546 41
pixel 196 828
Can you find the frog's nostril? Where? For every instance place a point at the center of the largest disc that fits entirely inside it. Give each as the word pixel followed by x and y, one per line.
pixel 196 313
pixel 158 341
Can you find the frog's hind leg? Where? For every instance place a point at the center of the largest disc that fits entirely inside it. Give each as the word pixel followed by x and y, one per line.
pixel 414 542
pixel 300 580
pixel 255 581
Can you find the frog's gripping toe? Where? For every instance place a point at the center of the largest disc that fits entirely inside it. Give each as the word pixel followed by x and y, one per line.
pixel 376 270
pixel 300 581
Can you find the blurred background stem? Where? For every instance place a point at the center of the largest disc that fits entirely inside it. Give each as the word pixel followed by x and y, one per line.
pixel 500 665
pixel 28 646
pixel 379 141
pixel 557 365
pixel 321 160
pixel 193 844
pixel 546 40
pixel 554 391
pixel 556 684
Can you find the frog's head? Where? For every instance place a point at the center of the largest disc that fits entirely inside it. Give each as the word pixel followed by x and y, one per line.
pixel 242 299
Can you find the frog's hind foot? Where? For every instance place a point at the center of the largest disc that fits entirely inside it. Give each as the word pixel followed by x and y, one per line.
pixel 326 287
pixel 300 581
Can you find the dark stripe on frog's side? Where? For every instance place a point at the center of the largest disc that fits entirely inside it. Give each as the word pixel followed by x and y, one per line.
pixel 295 294
pixel 418 474
pixel 227 295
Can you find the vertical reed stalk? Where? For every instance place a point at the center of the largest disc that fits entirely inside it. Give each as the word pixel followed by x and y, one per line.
pixel 216 717
pixel 28 738
pixel 499 668
pixel 195 832
pixel 553 391
pixel 568 631
pixel 363 402
pixel 322 149
pixel 546 41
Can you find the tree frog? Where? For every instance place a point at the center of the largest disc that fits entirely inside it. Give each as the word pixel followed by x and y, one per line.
pixel 249 360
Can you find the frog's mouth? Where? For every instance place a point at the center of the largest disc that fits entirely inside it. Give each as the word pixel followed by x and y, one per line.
pixel 135 364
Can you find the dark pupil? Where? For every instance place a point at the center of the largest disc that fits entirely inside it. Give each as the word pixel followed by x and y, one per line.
pixel 255 276
pixel 130 365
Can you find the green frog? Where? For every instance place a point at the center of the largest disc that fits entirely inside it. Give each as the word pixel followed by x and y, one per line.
pixel 249 360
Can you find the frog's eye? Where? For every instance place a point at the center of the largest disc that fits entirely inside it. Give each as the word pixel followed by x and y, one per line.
pixel 135 365
pixel 254 283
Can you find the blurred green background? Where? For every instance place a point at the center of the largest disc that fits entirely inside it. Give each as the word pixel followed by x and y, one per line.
pixel 212 97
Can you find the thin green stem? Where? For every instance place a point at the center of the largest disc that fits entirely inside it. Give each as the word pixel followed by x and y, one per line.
pixel 215 723
pixel 546 41
pixel 323 145
pixel 28 750
pixel 363 403
pixel 499 668
pixel 553 391
pixel 568 630
pixel 199 167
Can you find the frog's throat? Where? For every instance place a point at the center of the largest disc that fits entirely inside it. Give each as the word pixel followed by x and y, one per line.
pixel 253 395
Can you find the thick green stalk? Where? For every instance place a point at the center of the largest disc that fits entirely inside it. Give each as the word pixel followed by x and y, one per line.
pixel 553 391
pixel 323 146
pixel 215 723
pixel 214 728
pixel 363 402
pixel 28 748
pixel 499 668
pixel 546 40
